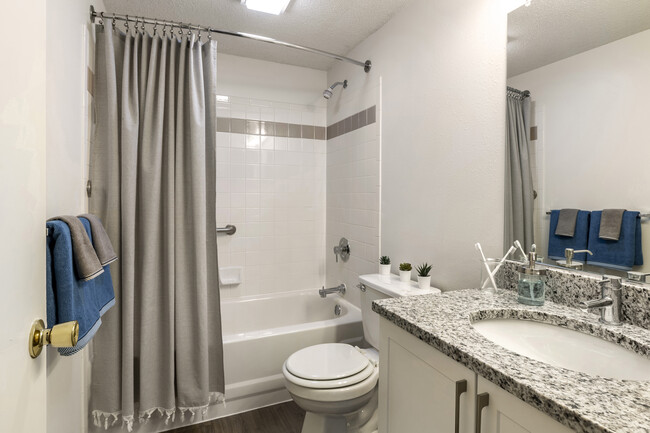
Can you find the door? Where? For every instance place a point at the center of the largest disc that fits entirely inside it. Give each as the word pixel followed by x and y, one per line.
pixel 420 389
pixel 22 213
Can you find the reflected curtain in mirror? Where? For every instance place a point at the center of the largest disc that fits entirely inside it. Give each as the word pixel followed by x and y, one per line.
pixel 518 177
pixel 153 177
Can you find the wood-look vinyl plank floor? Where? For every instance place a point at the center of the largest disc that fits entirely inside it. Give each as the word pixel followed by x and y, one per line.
pixel 280 418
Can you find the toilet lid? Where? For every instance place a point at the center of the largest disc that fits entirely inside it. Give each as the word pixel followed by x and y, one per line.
pixel 330 384
pixel 326 362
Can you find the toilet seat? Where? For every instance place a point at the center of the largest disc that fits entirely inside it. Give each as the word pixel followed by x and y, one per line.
pixel 329 384
pixel 327 362
pixel 332 395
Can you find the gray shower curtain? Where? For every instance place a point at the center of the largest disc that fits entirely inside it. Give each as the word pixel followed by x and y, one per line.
pixel 153 185
pixel 519 193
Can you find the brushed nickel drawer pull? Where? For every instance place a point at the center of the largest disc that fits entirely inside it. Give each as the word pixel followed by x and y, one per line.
pixel 461 387
pixel 482 401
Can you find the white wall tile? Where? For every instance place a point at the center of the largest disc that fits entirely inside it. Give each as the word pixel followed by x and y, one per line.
pixel 352 165
pixel 273 189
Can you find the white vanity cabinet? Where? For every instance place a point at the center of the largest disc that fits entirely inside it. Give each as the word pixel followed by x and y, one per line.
pixel 422 390
pixel 505 413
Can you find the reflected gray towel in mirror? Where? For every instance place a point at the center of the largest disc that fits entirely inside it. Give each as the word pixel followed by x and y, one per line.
pixel 610 224
pixel 566 224
pixel 85 258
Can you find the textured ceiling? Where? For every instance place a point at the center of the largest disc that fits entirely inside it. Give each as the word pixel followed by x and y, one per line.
pixel 552 30
pixel 331 25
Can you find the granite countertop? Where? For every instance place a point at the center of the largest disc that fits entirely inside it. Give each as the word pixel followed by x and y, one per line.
pixel 580 401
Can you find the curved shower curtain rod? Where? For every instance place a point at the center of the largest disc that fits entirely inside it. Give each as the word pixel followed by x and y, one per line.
pixel 93 15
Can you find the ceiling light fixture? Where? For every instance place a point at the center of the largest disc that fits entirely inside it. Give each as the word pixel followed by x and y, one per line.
pixel 275 7
pixel 511 5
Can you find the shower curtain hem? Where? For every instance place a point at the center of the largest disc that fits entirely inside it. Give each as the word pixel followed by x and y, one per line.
pixel 103 419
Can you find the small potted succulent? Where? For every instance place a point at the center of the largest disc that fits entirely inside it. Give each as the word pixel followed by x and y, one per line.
pixel 405 272
pixel 384 265
pixel 424 277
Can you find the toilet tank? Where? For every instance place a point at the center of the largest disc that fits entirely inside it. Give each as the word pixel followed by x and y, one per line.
pixel 381 287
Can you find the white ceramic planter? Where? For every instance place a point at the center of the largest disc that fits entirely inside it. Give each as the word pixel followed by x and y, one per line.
pixel 405 276
pixel 384 270
pixel 424 282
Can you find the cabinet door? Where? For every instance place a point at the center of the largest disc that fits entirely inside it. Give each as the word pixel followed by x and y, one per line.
pixel 505 413
pixel 418 385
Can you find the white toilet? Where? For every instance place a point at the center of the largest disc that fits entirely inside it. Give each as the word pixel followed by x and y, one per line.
pixel 336 384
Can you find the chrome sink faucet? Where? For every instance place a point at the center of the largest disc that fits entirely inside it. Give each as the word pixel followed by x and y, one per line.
pixel 610 302
pixel 338 289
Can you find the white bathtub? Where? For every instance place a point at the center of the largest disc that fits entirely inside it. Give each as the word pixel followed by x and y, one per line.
pixel 260 332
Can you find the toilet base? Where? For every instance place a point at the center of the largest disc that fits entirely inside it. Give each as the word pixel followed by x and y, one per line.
pixel 364 420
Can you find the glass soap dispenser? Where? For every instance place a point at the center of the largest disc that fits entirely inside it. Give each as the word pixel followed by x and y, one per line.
pixel 532 281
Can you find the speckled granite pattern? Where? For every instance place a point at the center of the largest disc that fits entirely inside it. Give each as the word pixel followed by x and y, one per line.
pixel 582 402
pixel 569 288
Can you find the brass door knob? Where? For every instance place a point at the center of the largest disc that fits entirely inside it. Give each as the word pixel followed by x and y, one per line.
pixel 61 335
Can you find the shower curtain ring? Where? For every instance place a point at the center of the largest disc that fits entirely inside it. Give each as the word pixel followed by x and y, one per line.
pixel 155 27
pixel 126 23
pixel 113 22
pixel 209 33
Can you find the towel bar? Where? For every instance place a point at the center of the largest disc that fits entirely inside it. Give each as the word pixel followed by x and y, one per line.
pixel 229 229
pixel 642 215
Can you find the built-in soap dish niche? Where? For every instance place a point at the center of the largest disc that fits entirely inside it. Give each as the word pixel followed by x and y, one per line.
pixel 230 276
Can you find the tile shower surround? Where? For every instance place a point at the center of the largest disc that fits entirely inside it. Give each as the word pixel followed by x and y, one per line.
pixel 292 130
pixel 569 288
pixel 271 184
pixel 353 186
pixel 272 188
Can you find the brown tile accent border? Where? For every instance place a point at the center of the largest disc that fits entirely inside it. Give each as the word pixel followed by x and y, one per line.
pixel 274 129
pixel 352 123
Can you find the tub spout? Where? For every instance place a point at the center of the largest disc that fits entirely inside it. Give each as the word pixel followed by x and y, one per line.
pixel 323 292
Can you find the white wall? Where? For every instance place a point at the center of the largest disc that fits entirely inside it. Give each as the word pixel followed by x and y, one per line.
pixel 70 46
pixel 591 111
pixel 259 79
pixel 443 71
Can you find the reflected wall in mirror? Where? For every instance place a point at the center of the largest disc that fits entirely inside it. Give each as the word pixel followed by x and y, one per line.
pixel 587 67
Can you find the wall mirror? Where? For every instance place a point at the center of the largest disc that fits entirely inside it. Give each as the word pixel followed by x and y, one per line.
pixel 586 65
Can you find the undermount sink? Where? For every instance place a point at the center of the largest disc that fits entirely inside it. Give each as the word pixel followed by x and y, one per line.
pixel 566 348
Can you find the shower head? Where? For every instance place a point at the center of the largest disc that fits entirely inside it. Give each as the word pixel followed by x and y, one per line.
pixel 327 93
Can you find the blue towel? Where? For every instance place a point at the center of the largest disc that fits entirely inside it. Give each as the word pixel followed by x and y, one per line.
pixel 557 244
pixel 69 298
pixel 621 254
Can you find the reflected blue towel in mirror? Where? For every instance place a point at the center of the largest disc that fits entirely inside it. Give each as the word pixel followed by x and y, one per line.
pixel 69 298
pixel 622 254
pixel 557 244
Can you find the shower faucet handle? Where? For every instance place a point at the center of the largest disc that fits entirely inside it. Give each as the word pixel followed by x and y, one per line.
pixel 343 250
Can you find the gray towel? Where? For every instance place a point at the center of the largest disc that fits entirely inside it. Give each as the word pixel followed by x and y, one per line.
pixel 101 241
pixel 610 224
pixel 85 257
pixel 566 223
